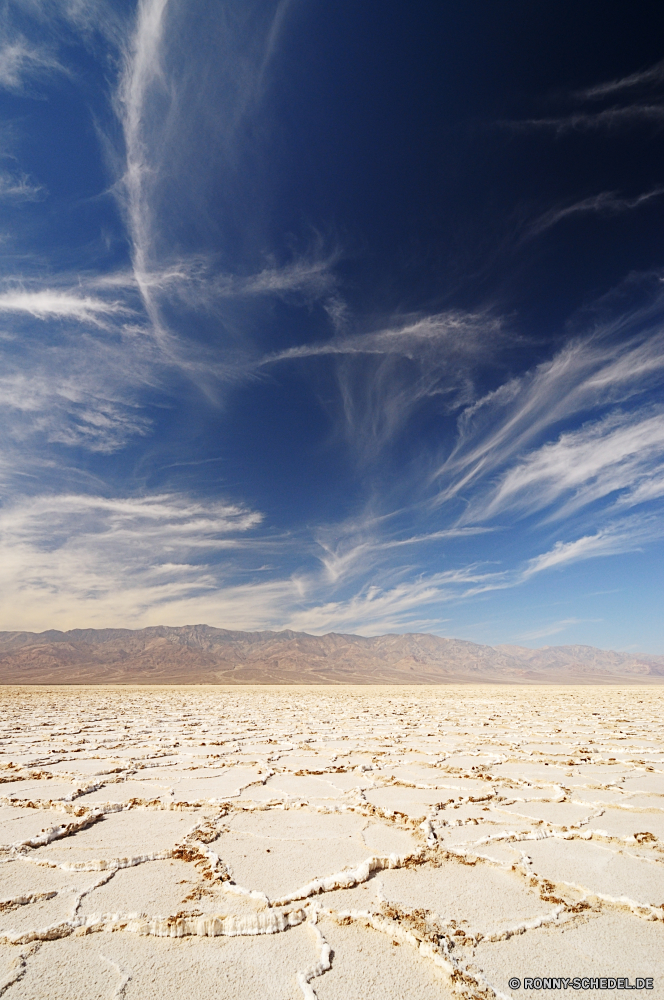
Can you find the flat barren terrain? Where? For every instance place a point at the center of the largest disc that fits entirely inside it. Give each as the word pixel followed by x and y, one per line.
pixel 344 843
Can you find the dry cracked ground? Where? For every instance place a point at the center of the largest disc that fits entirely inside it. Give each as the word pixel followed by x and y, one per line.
pixel 328 842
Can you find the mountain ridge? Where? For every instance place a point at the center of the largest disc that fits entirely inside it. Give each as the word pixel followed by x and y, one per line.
pixel 196 654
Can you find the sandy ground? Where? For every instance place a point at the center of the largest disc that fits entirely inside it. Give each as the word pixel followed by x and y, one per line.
pixel 337 843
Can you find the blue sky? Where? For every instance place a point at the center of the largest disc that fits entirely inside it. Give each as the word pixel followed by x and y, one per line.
pixel 333 317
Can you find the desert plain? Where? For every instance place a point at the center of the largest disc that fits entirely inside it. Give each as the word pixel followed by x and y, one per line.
pixel 344 843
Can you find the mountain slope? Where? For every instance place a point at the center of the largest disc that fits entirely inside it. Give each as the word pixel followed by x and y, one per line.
pixel 198 654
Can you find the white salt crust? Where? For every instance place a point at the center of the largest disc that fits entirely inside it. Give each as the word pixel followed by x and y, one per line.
pixel 389 841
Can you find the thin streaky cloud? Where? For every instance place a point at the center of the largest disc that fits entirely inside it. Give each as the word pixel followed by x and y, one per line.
pixel 148 106
pixel 375 609
pixel 21 63
pixel 609 119
pixel 502 426
pixel 378 393
pixel 19 188
pixel 628 536
pixel 221 275
pixel 136 560
pixel 194 281
pixel 49 303
pixel 604 203
pixel 142 72
pixel 644 491
pixel 553 628
pixel 600 459
pixel 349 550
pixel 464 333
pixel 654 74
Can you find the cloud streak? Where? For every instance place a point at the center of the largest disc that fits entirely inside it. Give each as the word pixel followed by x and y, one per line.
pixel 111 558
pixel 48 304
pixel 609 368
pixel 620 452
pixel 626 536
pixel 385 376
pixel 21 63
pixel 604 203
pixel 16 188
pixel 609 119
pixel 651 75
pixel 144 560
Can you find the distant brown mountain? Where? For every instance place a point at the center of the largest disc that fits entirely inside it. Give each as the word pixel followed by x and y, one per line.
pixel 200 654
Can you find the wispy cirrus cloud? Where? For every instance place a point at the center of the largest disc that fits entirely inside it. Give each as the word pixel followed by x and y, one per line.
pixel 553 628
pixel 82 384
pixel 143 560
pixel 645 77
pixel 71 556
pixel 348 551
pixel 157 119
pixel 84 360
pixel 609 119
pixel 607 368
pixel 619 452
pixel 604 203
pixel 18 187
pixel 374 609
pixel 22 63
pixel 196 282
pixel 619 537
pixel 383 376
pixel 648 110
pixel 48 304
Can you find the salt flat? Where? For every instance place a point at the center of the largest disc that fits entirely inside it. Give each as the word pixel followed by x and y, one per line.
pixel 331 842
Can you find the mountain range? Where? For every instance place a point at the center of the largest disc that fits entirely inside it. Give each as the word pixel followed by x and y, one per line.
pixel 200 654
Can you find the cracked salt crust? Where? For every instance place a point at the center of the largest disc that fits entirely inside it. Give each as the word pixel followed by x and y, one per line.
pixel 370 964
pixel 556 813
pixel 118 835
pixel 480 901
pixel 124 791
pixel 414 802
pixel 602 870
pixel 217 969
pixel 161 887
pixel 370 843
pixel 623 824
pixel 45 790
pixel 482 834
pixel 605 943
pixel 18 824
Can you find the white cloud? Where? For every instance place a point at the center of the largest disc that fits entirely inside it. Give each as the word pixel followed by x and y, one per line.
pixel 651 75
pixel 21 62
pixel 609 119
pixel 644 490
pixel 553 628
pixel 605 203
pixel 194 281
pixel 17 187
pixel 163 112
pixel 375 609
pixel 49 304
pixel 72 558
pixel 601 458
pixel 385 375
pixel 75 387
pixel 354 549
pixel 498 430
pixel 142 72
pixel 627 536
pixel 457 334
